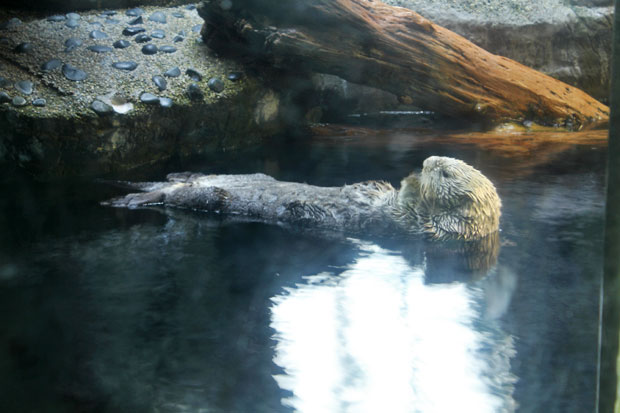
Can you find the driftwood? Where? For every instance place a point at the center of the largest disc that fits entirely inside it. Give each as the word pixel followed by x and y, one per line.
pixel 397 50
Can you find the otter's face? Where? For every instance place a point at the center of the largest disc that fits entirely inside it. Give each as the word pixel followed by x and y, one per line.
pixel 459 200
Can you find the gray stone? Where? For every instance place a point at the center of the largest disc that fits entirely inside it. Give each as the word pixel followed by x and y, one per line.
pixel 158 17
pixel 137 11
pixel 132 31
pixel 72 23
pixel 174 72
pixel 149 98
pixel 73 16
pixel 99 48
pixel 137 20
pixel 160 82
pixel 167 49
pixel 143 38
pixel 109 13
pixel 111 21
pixel 24 47
pixel 216 84
pixel 57 18
pixel 234 76
pixel 19 101
pixel 24 86
pixel 194 92
pixel 178 38
pixel 40 102
pixel 128 65
pixel 178 14
pixel 73 73
pixel 165 102
pixel 101 108
pixel 197 28
pixel 72 44
pixel 4 97
pixel 97 35
pixel 190 7
pixel 149 49
pixel 158 34
pixel 51 65
pixel 193 74
pixel 121 44
pixel 4 82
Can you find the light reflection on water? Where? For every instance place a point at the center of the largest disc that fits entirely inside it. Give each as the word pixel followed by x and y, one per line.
pixel 377 338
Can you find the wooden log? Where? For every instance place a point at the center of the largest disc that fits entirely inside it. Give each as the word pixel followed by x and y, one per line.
pixel 397 50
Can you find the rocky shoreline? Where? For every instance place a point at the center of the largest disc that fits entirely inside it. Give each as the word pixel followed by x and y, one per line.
pixel 102 91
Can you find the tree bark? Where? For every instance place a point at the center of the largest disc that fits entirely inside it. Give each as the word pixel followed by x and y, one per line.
pixel 397 50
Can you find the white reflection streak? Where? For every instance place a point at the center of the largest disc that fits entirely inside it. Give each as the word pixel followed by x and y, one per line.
pixel 376 339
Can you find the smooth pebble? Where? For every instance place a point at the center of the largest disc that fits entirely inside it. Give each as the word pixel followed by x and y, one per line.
pixel 147 97
pixel 97 35
pixel 121 44
pixel 174 72
pixel 72 23
pixel 73 73
pixel 131 31
pixel 158 34
pixel 158 17
pixel 19 101
pixel 101 108
pixel 99 48
pixel 24 47
pixel 167 49
pixel 137 20
pixel 51 65
pixel 143 38
pixel 149 49
pixel 4 97
pixel 39 102
pixel 216 84
pixel 165 102
pixel 137 11
pixel 193 74
pixel 194 92
pixel 160 82
pixel 129 65
pixel 57 18
pixel 24 86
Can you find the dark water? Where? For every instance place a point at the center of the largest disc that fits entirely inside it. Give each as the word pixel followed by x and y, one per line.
pixel 110 310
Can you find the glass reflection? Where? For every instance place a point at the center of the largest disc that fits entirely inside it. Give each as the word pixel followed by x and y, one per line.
pixel 378 338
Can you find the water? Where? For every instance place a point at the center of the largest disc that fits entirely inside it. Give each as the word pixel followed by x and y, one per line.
pixel 111 310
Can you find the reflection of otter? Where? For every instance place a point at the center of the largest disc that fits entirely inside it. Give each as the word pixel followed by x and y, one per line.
pixel 448 200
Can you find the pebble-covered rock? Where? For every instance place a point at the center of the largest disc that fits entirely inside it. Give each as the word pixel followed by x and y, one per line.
pixel 73 73
pixel 71 44
pixel 132 31
pixel 4 97
pixel 97 35
pixel 174 72
pixel 234 76
pixel 51 65
pixel 149 49
pixel 73 16
pixel 137 11
pixel 72 23
pixel 129 65
pixel 158 34
pixel 143 38
pixel 137 20
pixel 167 49
pixel 98 48
pixel 24 47
pixel 147 97
pixel 24 86
pixel 216 84
pixel 121 44
pixel 57 18
pixel 101 108
pixel 178 38
pixel 160 82
pixel 193 74
pixel 19 101
pixel 40 102
pixel 194 92
pixel 165 102
pixel 158 17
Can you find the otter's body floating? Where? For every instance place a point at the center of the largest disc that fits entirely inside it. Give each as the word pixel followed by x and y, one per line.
pixel 447 200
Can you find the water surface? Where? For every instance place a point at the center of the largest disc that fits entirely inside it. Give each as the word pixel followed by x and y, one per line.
pixel 112 310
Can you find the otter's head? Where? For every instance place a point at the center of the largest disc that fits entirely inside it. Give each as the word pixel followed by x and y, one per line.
pixel 456 200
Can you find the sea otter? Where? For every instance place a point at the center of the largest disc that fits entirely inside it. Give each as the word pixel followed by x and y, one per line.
pixel 448 200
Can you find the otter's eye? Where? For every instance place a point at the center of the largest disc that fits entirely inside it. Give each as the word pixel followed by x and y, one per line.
pixel 445 173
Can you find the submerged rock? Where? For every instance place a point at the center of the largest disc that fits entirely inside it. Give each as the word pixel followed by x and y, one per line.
pixel 158 17
pixel 99 48
pixel 71 44
pixel 165 102
pixel 143 38
pixel 40 102
pixel 97 35
pixel 167 49
pixel 132 31
pixel 72 23
pixel 19 101
pixel 137 20
pixel 194 92
pixel 160 82
pixel 4 97
pixel 174 72
pixel 23 47
pixel 149 98
pixel 193 74
pixel 149 49
pixel 158 34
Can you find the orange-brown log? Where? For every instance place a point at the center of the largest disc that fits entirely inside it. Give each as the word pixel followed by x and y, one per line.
pixel 397 50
